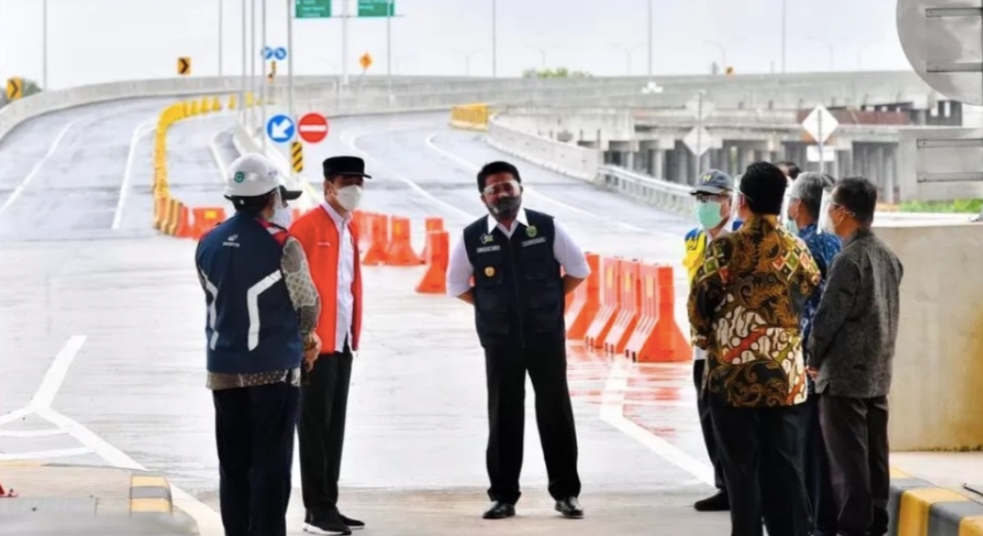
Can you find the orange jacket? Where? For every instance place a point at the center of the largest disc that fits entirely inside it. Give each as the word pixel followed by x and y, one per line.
pixel 318 234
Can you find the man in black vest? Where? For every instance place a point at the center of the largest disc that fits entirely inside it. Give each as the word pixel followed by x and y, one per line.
pixel 515 256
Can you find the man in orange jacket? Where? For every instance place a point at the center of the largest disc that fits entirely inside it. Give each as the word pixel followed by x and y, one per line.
pixel 331 244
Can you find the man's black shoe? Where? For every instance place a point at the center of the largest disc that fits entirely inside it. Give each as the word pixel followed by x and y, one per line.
pixel 499 510
pixel 353 524
pixel 331 526
pixel 569 507
pixel 715 503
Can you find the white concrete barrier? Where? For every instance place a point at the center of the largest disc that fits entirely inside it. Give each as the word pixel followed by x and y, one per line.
pixel 565 158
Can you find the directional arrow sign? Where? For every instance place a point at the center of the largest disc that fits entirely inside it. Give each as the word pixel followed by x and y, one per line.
pixel 267 53
pixel 280 53
pixel 184 66
pixel 280 128
pixel 312 128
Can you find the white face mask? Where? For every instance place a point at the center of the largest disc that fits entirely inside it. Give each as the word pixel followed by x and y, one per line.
pixel 349 197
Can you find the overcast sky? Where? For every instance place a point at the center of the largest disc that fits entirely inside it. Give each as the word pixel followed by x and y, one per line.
pixel 102 40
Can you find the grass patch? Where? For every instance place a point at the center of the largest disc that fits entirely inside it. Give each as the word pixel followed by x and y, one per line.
pixel 970 206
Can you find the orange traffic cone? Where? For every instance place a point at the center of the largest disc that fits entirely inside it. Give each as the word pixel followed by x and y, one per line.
pixel 379 246
pixel 433 224
pixel 434 279
pixel 400 251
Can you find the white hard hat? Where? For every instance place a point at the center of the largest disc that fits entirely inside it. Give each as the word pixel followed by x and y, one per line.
pixel 251 175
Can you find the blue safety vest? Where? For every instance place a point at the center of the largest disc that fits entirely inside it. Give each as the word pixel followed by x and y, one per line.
pixel 252 325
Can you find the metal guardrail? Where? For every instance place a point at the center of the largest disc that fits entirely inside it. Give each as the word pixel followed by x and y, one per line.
pixel 656 192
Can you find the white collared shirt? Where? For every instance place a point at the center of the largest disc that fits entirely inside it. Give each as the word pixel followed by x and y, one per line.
pixel 346 279
pixel 565 250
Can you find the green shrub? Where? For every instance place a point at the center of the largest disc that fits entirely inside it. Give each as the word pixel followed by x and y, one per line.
pixel 959 205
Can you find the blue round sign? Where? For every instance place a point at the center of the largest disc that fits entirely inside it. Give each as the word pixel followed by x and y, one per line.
pixel 267 53
pixel 280 128
pixel 280 53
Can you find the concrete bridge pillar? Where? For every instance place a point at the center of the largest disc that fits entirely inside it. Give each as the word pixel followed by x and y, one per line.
pixel 891 173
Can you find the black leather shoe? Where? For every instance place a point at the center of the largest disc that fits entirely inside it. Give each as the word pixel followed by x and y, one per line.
pixel 570 508
pixel 499 510
pixel 715 503
pixel 329 526
pixel 353 524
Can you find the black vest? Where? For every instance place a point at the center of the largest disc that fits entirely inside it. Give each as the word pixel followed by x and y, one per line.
pixel 518 289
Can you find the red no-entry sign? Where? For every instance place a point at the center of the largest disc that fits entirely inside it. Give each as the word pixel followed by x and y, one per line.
pixel 313 128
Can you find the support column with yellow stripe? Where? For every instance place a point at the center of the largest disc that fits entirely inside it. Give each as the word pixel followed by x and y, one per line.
pixel 297 156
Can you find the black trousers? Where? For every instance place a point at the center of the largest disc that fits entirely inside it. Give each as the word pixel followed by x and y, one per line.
pixel 817 475
pixel 254 432
pixel 855 430
pixel 324 403
pixel 759 450
pixel 706 423
pixel 505 369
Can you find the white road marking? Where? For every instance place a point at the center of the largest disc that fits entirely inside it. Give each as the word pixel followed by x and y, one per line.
pixel 613 413
pixel 124 190
pixel 32 433
pixel 209 521
pixel 353 143
pixel 45 454
pixel 37 167
pixel 528 189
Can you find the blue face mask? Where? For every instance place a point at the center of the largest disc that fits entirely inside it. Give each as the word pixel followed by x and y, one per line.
pixel 708 214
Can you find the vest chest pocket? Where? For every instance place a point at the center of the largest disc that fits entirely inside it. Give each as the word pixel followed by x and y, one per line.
pixel 538 262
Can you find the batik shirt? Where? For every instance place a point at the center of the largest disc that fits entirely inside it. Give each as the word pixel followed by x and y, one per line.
pixel 823 247
pixel 745 308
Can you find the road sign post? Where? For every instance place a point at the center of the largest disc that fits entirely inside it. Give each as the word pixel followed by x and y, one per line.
pixel 280 128
pixel 184 66
pixel 297 156
pixel 312 9
pixel 820 124
pixel 312 128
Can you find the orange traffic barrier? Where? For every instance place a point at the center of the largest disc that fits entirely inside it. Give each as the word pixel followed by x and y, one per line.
pixel 657 337
pixel 432 224
pixel 610 303
pixel 585 300
pixel 183 229
pixel 205 219
pixel 438 250
pixel 360 222
pixel 627 316
pixel 400 251
pixel 379 242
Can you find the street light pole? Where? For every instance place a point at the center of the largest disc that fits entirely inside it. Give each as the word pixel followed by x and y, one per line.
pixel 220 24
pixel 263 82
pixel 784 31
pixel 242 90
pixel 494 39
pixel 344 42
pixel 252 62
pixel 290 58
pixel 389 48
pixel 44 48
pixel 651 41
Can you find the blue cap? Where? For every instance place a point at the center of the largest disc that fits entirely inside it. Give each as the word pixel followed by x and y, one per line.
pixel 713 182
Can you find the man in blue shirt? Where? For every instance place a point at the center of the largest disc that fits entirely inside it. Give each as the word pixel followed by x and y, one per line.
pixel 804 205
pixel 262 311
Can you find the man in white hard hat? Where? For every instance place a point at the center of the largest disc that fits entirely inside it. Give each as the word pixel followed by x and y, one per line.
pixel 262 312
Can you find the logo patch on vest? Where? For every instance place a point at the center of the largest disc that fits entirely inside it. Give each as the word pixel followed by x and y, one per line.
pixel 486 249
pixel 531 231
pixel 534 241
pixel 487 238
pixel 489 272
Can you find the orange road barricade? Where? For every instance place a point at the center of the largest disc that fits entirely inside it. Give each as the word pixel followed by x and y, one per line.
pixel 205 219
pixel 400 251
pixel 585 300
pixel 438 251
pixel 657 337
pixel 627 315
pixel 363 223
pixel 610 302
pixel 379 244
pixel 432 224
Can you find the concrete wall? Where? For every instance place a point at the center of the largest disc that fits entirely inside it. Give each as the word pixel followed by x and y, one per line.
pixel 937 395
pixel 566 158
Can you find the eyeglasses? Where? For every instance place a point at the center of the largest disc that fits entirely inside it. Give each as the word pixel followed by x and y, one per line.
pixel 507 187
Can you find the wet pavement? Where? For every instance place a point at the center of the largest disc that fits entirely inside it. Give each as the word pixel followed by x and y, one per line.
pixel 102 339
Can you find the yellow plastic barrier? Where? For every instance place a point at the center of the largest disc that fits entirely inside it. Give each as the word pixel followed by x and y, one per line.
pixel 470 116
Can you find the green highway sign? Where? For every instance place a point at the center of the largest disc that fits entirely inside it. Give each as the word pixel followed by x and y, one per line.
pixel 376 8
pixel 312 9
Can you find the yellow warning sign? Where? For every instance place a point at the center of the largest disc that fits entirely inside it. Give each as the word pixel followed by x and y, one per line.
pixel 184 66
pixel 15 88
pixel 365 61
pixel 297 155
